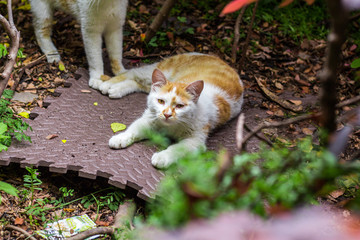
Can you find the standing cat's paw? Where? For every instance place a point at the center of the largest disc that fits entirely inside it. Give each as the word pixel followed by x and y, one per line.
pixel 95 83
pixel 162 159
pixel 53 57
pixel 121 140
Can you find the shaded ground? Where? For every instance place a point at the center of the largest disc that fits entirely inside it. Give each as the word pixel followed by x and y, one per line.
pixel 290 71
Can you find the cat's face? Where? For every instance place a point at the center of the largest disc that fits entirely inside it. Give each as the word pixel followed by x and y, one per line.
pixel 173 102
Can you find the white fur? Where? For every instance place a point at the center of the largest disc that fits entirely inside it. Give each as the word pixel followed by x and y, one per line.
pixel 97 18
pixel 187 127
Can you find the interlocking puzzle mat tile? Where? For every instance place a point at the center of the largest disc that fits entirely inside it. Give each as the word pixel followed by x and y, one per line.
pixel 85 126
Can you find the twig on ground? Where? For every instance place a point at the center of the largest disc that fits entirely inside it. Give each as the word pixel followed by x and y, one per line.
pixel 240 131
pixel 14 36
pixel 237 35
pixel 125 214
pixel 155 55
pixel 261 138
pixel 159 19
pixel 292 120
pixel 22 70
pixel 249 32
pixel 27 235
pixel 284 103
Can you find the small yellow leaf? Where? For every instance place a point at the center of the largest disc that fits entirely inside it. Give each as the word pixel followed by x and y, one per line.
pixel 142 37
pixel 61 66
pixel 64 140
pixel 24 114
pixel 116 127
pixel 95 103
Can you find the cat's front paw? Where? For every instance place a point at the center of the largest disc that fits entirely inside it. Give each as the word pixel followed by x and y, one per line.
pixel 95 83
pixel 121 140
pixel 162 159
pixel 105 86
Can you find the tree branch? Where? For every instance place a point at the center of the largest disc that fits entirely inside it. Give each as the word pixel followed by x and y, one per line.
pixel 249 32
pixel 159 19
pixel 14 35
pixel 328 78
pixel 237 34
pixel 284 103
pixel 27 235
pixel 289 121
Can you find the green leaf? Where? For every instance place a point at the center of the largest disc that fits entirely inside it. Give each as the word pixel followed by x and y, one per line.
pixel 8 188
pixel 61 66
pixel 3 147
pixel 355 63
pixel 3 128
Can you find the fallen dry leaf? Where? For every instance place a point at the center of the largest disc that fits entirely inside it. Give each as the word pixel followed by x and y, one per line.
pixel 296 102
pixel 51 136
pixel 19 221
pixel 307 131
pixel 337 193
pixel 102 223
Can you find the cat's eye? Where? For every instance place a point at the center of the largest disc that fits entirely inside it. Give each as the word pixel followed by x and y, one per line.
pixel 162 102
pixel 180 105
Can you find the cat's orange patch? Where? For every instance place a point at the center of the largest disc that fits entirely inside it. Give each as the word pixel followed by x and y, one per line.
pixel 224 110
pixel 210 69
pixel 46 29
pixel 179 90
pixel 115 66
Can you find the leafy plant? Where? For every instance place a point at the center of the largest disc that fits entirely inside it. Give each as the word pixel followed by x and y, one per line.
pixel 111 200
pixel 10 125
pixel 8 188
pixel 3 50
pixel 32 182
pixel 204 184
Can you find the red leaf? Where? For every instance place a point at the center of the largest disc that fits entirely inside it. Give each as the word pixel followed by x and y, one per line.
pixel 19 221
pixel 235 5
pixel 285 3
pixel 309 2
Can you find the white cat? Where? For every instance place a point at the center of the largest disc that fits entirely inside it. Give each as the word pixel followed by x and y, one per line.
pixel 97 18
pixel 190 95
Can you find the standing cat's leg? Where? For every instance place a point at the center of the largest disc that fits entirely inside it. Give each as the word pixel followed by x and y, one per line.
pixel 114 44
pixel 136 132
pixel 42 20
pixel 92 38
pixel 176 151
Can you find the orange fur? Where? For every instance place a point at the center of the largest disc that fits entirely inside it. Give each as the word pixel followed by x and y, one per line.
pixel 210 69
pixel 223 109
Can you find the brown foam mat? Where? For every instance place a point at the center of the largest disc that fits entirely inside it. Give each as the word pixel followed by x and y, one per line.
pixel 86 128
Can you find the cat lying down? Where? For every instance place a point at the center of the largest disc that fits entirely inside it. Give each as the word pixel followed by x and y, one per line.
pixel 97 18
pixel 189 95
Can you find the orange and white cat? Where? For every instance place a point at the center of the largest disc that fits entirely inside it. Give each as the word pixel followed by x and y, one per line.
pixel 97 19
pixel 189 95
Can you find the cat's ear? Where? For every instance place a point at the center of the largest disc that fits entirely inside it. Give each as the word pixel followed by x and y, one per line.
pixel 195 89
pixel 158 79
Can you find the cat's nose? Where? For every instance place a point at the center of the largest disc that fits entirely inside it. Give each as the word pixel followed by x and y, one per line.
pixel 167 115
